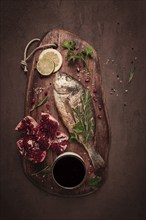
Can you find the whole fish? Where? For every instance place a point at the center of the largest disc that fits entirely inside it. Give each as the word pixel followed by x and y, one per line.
pixel 69 94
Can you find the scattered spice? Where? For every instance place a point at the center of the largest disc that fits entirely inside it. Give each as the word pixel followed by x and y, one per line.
pixel 107 61
pixel 38 90
pixel 87 79
pixel 100 107
pixel 78 69
pixel 95 99
pixel 91 169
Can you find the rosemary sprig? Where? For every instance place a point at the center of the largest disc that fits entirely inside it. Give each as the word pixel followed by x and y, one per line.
pixel 43 101
pixel 84 125
pixel 132 71
pixel 43 171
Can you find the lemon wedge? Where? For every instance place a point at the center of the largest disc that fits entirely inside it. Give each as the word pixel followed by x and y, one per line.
pixel 49 55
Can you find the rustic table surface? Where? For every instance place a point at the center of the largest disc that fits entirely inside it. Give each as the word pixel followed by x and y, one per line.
pixel 116 29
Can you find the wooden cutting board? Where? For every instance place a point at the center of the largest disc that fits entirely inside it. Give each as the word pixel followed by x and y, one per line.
pixel 36 88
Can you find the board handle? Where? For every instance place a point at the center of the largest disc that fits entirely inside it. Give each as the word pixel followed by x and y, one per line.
pixel 26 58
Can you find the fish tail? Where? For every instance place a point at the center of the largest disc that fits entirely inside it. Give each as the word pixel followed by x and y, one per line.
pixel 96 158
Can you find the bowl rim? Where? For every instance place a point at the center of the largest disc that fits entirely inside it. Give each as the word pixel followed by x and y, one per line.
pixel 69 154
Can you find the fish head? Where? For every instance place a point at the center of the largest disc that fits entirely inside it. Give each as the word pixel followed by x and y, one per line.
pixel 65 84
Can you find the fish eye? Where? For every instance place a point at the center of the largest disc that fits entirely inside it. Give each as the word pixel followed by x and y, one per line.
pixel 68 79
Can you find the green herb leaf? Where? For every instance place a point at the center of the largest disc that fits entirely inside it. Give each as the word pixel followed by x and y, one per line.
pixel 88 51
pixel 71 58
pixel 77 112
pixel 80 55
pixel 95 182
pixel 84 126
pixel 43 171
pixel 72 54
pixel 72 137
pixel 132 71
pixel 70 45
pixel 43 101
pixel 78 128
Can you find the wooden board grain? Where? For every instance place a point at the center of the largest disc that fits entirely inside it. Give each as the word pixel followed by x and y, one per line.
pixel 38 86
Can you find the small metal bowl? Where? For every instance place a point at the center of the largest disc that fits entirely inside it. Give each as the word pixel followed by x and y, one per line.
pixel 69 171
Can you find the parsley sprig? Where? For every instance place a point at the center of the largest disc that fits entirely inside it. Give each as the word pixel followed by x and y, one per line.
pixel 95 182
pixel 74 55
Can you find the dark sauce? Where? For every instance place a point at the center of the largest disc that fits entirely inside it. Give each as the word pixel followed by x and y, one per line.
pixel 69 171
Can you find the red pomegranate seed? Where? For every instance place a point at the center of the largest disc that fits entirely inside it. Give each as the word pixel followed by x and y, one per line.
pixel 46 93
pixel 91 169
pixel 94 98
pixel 94 90
pixel 47 106
pixel 99 116
pixel 58 133
pixel 32 101
pixel 99 106
pixel 87 79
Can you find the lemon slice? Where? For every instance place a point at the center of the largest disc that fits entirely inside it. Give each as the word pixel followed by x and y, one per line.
pixel 45 66
pixel 54 55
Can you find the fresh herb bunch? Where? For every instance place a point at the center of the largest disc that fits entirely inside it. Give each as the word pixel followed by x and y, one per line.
pixel 95 182
pixel 84 126
pixel 73 54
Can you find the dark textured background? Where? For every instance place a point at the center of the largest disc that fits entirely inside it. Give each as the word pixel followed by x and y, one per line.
pixel 117 31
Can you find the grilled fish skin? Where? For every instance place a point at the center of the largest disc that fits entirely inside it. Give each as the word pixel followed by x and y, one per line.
pixel 67 94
